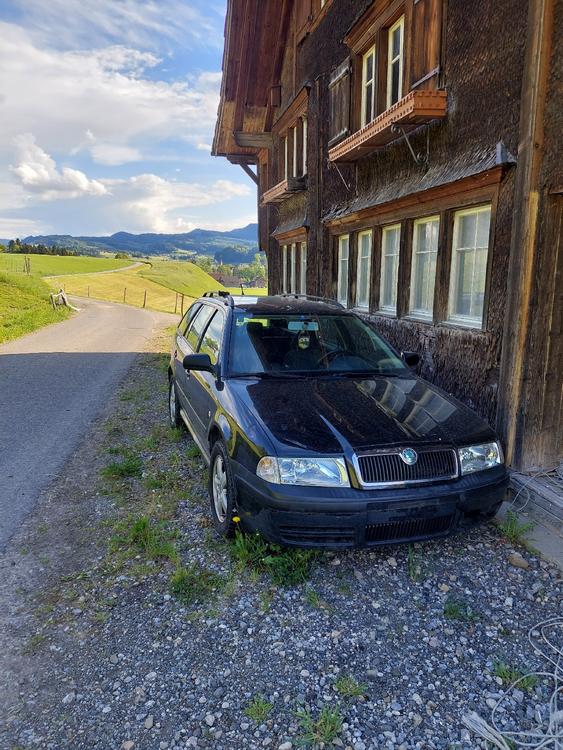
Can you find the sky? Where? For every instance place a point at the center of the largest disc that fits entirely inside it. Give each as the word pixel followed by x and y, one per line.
pixel 107 112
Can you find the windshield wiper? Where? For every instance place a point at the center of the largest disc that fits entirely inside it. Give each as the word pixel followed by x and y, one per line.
pixel 274 375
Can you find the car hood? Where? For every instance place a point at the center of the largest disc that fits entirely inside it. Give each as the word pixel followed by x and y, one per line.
pixel 332 415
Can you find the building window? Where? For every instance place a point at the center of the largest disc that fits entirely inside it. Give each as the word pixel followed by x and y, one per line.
pixel 343 265
pixel 469 266
pixel 284 268
pixel 304 146
pixel 293 287
pixel 395 62
pixel 423 272
pixel 303 269
pixel 390 242
pixel 294 163
pixel 368 87
pixel 364 270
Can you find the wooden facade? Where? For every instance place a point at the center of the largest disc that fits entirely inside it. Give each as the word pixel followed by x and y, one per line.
pixel 408 160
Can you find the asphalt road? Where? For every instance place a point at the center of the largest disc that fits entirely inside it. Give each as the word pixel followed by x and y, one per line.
pixel 53 383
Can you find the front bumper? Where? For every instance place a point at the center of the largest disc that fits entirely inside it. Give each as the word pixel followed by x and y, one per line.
pixel 345 518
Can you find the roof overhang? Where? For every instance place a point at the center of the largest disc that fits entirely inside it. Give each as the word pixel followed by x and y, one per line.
pixel 255 36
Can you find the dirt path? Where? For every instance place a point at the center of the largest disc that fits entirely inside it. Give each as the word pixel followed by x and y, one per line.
pixel 53 383
pixel 100 273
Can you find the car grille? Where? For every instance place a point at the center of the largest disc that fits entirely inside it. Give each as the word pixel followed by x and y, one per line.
pixel 319 536
pixel 413 528
pixel 389 468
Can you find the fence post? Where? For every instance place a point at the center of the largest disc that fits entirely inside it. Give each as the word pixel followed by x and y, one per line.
pixel 176 304
pixel 124 293
pixel 88 290
pixel 145 299
pixel 182 306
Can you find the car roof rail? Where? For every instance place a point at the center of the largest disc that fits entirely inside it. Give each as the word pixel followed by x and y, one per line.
pixel 221 294
pixel 293 295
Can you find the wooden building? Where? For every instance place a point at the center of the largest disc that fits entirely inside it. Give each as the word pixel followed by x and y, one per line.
pixel 408 163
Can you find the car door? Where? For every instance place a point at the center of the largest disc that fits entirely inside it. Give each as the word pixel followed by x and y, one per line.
pixel 204 384
pixel 187 343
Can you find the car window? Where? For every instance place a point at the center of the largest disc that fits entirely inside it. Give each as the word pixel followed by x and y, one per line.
pixel 321 344
pixel 197 326
pixel 211 341
pixel 188 317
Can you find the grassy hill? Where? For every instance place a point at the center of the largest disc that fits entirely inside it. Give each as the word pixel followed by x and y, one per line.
pixel 51 265
pixel 25 306
pixel 160 279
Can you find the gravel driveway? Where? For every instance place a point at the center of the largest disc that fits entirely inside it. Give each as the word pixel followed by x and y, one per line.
pixel 106 648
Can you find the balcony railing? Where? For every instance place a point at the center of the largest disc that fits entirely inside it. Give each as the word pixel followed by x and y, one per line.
pixel 416 108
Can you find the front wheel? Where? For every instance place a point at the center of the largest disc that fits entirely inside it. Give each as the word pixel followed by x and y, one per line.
pixel 222 490
pixel 173 405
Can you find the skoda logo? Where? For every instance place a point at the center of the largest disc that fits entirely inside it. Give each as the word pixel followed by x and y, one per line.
pixel 409 456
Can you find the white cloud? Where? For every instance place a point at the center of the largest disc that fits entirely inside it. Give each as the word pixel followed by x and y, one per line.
pixel 152 203
pixel 60 95
pixel 143 23
pixel 12 228
pixel 38 173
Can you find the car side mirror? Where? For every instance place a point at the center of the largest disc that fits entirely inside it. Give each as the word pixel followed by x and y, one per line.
pixel 411 359
pixel 199 362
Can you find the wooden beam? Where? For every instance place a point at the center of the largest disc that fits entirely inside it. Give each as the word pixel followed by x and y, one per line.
pixel 253 176
pixel 516 414
pixel 254 140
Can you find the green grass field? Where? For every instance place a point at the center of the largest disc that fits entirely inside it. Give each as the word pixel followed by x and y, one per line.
pixel 114 286
pixel 51 265
pixel 256 292
pixel 25 306
pixel 180 276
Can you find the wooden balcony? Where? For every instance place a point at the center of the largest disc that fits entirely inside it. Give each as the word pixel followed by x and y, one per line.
pixel 284 189
pixel 411 111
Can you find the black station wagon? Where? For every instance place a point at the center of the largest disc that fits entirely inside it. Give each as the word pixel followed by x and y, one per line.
pixel 319 434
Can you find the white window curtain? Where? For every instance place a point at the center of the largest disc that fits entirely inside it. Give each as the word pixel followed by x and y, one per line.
pixel 305 133
pixel 395 62
pixel 390 243
pixel 468 277
pixel 303 270
pixel 343 265
pixel 284 268
pixel 293 288
pixel 368 87
pixel 423 272
pixel 364 270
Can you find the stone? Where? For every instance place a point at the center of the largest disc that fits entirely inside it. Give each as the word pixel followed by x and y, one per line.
pixel 209 720
pixel 69 697
pixel 127 745
pixel 149 722
pixel 285 746
pixel 517 561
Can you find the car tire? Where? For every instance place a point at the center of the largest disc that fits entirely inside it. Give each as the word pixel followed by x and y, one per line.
pixel 173 405
pixel 222 491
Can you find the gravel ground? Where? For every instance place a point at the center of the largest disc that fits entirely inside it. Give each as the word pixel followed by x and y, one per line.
pixel 395 645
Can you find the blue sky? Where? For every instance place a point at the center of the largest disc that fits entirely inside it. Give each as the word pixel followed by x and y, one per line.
pixel 107 111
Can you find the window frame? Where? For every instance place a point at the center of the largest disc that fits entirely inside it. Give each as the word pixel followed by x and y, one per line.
pixel 304 136
pixel 364 233
pixel 389 310
pixel 370 53
pixel 453 318
pixel 341 239
pixel 418 314
pixel 398 24
pixel 284 268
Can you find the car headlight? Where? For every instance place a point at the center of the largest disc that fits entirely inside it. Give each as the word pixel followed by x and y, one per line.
pixel 314 472
pixel 479 457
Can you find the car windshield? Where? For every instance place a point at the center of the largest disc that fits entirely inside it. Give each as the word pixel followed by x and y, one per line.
pixel 308 344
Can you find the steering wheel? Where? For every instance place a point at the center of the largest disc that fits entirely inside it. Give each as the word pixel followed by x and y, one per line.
pixel 331 356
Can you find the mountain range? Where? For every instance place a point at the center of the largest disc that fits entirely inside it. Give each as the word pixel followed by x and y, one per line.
pixel 234 246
